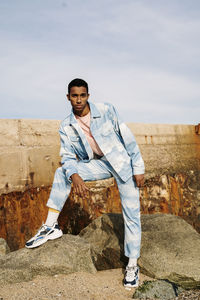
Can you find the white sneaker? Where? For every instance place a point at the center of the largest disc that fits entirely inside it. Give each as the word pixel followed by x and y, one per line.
pixel 131 277
pixel 44 234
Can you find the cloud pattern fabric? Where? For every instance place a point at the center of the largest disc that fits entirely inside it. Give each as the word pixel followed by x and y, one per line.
pixel 122 160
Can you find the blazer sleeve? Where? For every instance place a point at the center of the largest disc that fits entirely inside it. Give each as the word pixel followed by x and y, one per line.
pixel 129 142
pixel 68 156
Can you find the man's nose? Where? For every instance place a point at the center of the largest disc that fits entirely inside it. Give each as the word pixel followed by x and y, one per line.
pixel 78 98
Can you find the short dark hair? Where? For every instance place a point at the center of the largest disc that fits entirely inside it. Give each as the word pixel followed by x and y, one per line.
pixel 77 82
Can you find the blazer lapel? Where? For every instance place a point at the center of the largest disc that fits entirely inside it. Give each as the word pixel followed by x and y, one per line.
pixel 75 124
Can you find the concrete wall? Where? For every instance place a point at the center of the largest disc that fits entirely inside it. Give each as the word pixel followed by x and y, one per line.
pixel 29 155
pixel 168 149
pixel 29 151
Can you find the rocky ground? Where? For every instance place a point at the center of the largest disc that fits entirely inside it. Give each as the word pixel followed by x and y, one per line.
pixel 77 286
pixel 169 244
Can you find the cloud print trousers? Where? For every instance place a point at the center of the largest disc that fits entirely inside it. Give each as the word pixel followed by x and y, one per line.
pixel 97 169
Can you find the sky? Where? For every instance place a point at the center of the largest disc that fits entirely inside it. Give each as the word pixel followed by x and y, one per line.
pixel 143 56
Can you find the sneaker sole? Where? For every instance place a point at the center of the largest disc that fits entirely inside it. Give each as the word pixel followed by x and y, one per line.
pixel 44 240
pixel 131 285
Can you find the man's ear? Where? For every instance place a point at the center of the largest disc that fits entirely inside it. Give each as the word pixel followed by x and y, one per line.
pixel 68 97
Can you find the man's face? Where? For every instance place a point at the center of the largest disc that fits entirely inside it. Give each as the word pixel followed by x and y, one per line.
pixel 78 97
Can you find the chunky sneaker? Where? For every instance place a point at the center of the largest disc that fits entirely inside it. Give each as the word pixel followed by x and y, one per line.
pixel 131 278
pixel 44 234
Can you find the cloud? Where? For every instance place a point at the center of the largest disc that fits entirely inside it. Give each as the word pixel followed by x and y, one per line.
pixel 141 56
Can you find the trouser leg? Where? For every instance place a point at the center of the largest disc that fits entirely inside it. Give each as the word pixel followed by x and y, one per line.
pixel 129 195
pixel 60 190
pixel 92 170
pixel 130 201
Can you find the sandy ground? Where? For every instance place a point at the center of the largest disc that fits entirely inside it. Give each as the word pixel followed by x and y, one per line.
pixel 77 286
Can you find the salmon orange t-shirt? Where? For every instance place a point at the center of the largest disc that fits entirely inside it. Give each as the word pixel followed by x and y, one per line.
pixel 84 123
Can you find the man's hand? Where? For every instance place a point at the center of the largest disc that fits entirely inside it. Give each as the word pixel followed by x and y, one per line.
pixel 139 179
pixel 79 185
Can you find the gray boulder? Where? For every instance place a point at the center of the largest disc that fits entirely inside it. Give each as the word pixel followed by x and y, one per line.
pixel 106 236
pixel 158 289
pixel 65 255
pixel 170 250
pixel 4 249
pixel 170 247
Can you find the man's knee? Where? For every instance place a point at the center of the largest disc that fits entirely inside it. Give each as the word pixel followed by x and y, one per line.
pixel 60 173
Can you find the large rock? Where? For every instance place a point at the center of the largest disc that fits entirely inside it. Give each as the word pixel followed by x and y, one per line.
pixel 4 249
pixel 106 236
pixel 170 247
pixel 158 289
pixel 65 255
pixel 170 250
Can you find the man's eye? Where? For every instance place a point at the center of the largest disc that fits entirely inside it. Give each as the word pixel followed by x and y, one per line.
pixel 83 95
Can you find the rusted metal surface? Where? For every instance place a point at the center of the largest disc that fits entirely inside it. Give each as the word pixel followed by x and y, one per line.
pixel 197 129
pixel 22 213
pixel 177 194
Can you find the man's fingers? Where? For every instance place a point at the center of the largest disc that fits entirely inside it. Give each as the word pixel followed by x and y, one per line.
pixel 86 188
pixel 78 190
pixel 139 179
pixel 86 191
pixel 140 183
pixel 81 190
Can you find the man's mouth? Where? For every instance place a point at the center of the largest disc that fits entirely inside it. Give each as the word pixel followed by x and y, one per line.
pixel 78 106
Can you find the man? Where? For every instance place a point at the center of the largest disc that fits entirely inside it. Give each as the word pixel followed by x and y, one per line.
pixel 96 145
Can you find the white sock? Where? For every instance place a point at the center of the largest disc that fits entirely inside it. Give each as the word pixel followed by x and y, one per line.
pixel 132 262
pixel 52 217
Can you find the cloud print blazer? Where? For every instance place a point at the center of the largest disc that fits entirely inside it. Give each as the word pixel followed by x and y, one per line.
pixel 114 138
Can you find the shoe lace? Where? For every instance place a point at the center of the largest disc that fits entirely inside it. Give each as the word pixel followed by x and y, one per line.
pixel 130 273
pixel 42 228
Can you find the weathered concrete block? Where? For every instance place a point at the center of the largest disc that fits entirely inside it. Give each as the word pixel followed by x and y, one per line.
pixel 39 132
pixel 161 130
pixel 9 133
pixel 41 163
pixel 167 148
pixel 12 170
